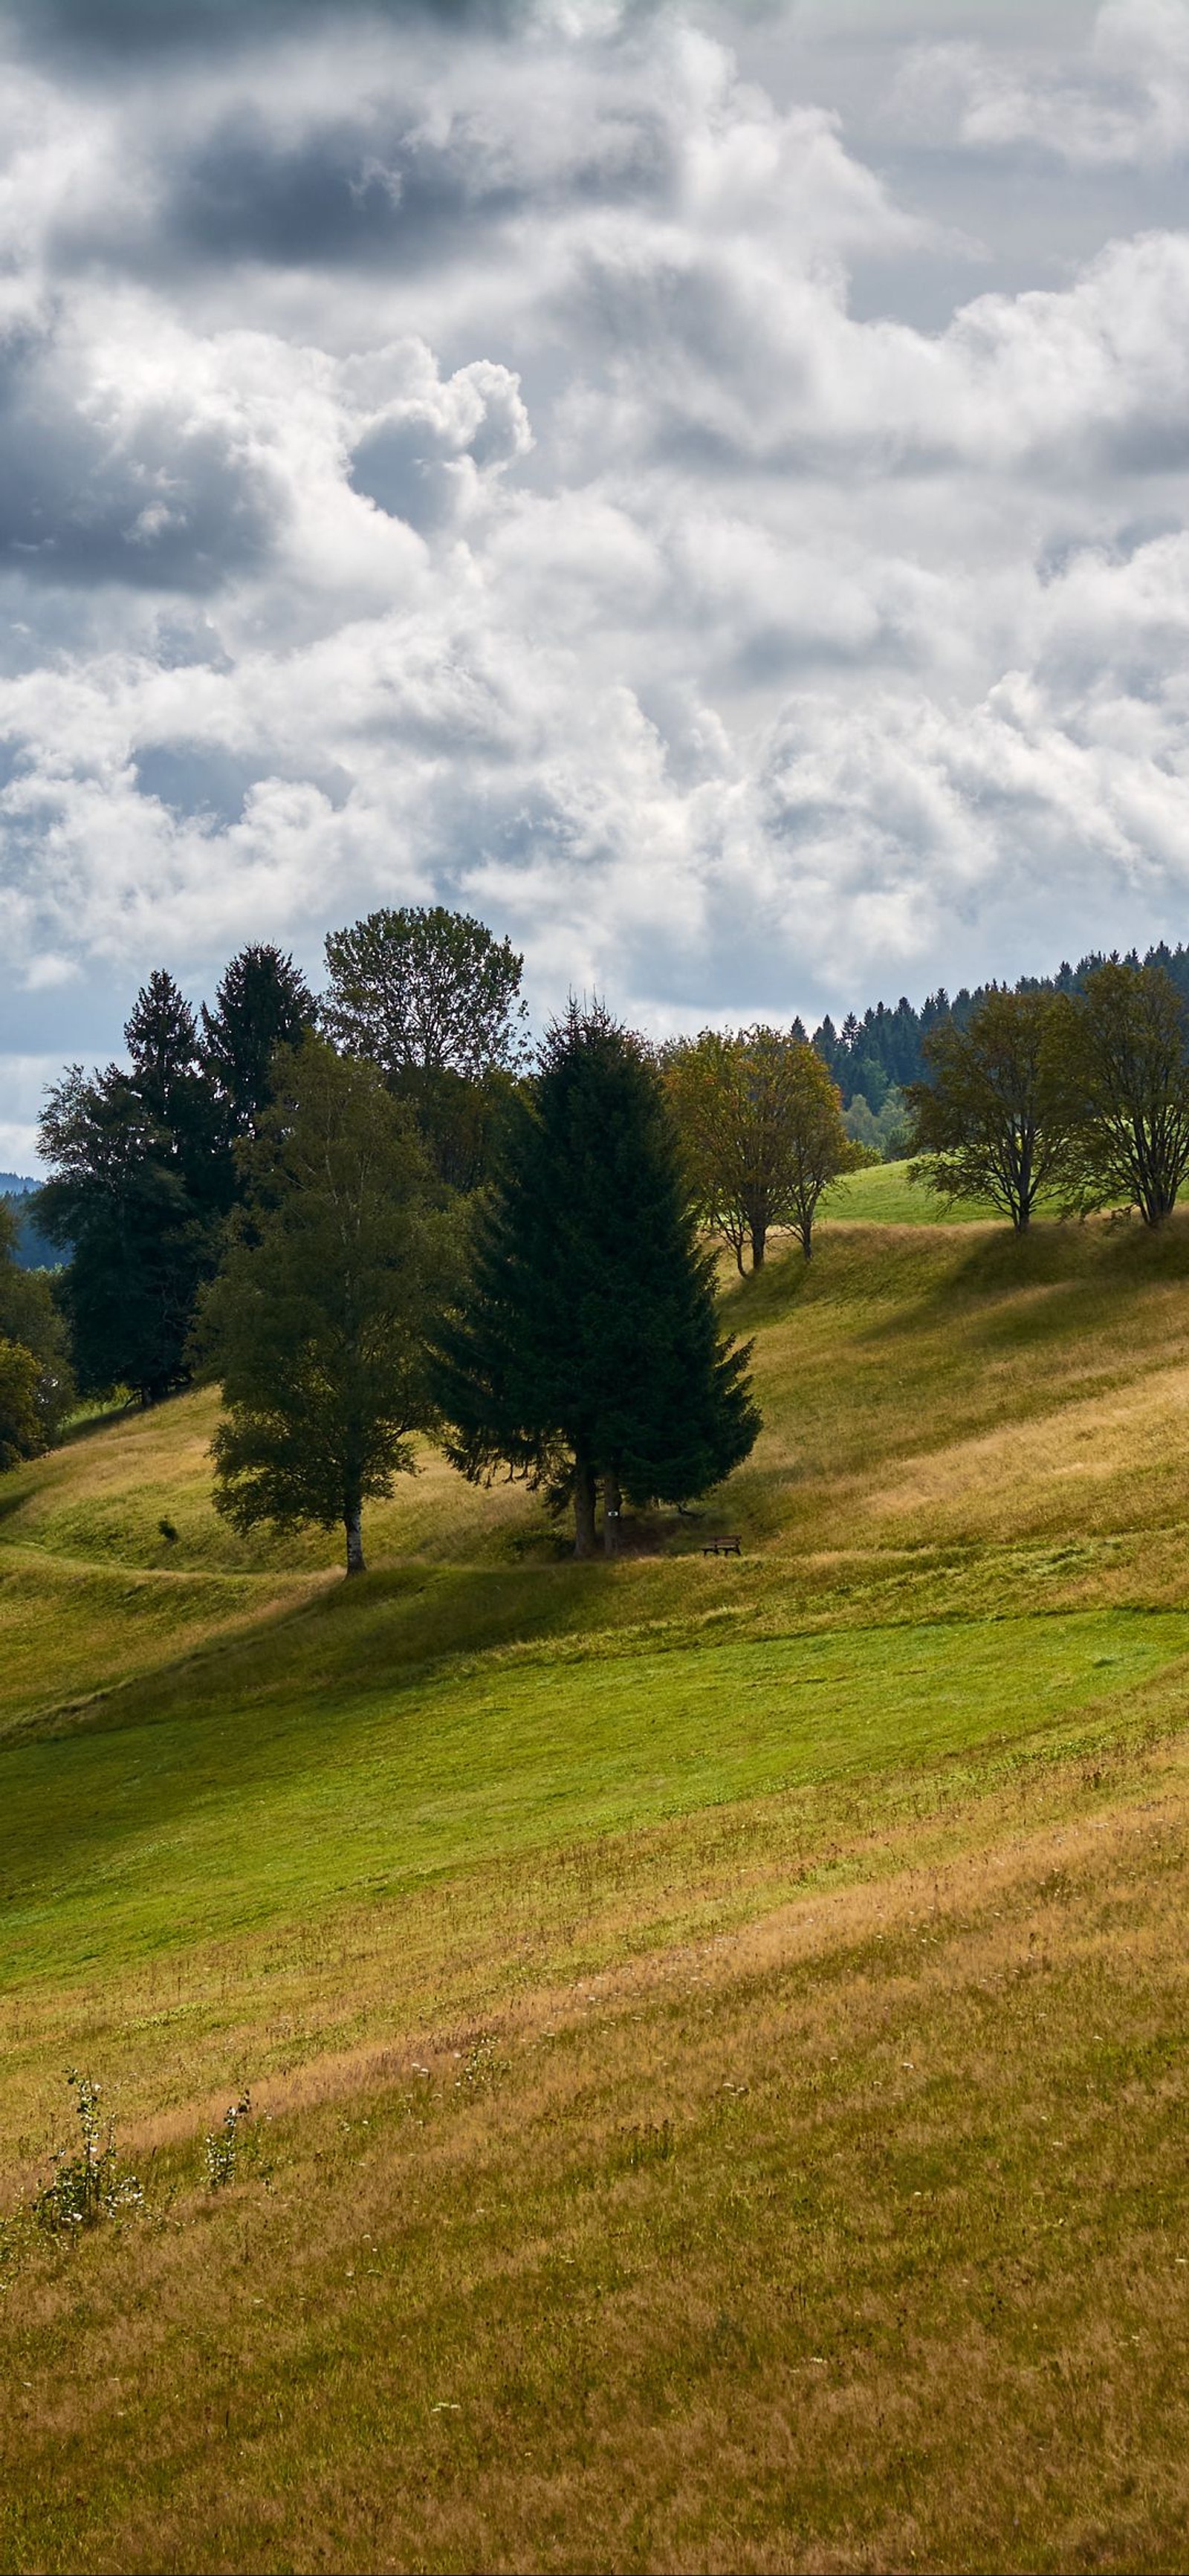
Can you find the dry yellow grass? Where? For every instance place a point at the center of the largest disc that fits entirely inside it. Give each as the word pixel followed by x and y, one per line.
pixel 858 2238
pixel 785 2176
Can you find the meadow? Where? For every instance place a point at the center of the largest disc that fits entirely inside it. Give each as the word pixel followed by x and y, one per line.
pixel 716 2029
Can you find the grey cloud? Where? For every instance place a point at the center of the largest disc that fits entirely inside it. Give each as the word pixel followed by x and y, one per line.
pixel 95 29
pixel 337 197
pixel 161 502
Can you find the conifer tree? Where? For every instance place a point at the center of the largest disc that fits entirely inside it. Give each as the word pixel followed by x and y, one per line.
pixel 588 1347
pixel 263 1002
pixel 137 1194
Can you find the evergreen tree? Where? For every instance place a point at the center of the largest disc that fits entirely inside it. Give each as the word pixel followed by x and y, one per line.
pixel 588 1346
pixel 137 1190
pixel 263 1002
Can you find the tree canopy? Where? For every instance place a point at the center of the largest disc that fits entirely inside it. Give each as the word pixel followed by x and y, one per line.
pixel 36 1383
pixel 587 1345
pixel 433 999
pixel 994 1117
pixel 760 1122
pixel 1126 1054
pixel 137 1191
pixel 261 1003
pixel 317 1322
pixel 425 990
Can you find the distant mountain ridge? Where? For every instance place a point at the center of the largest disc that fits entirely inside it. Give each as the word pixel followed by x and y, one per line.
pixel 16 1185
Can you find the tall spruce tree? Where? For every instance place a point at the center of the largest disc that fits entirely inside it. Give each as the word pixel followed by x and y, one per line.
pixel 588 1347
pixel 263 1002
pixel 137 1194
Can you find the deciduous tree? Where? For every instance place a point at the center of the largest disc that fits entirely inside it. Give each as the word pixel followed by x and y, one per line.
pixel 433 998
pixel 316 1324
pixel 760 1121
pixel 995 1116
pixel 1125 1056
pixel 36 1386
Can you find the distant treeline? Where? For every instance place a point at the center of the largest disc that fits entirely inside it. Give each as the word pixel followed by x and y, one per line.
pixel 884 1051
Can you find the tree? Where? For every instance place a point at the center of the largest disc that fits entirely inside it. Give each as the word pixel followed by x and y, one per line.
pixel 587 1344
pixel 433 998
pixel 31 1323
pixel 425 990
pixel 137 1191
pixel 263 1002
pixel 20 1426
pixel 316 1323
pixel 760 1121
pixel 1124 1053
pixel 994 1118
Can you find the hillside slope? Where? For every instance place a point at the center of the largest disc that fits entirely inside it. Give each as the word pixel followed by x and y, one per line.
pixel 655 1868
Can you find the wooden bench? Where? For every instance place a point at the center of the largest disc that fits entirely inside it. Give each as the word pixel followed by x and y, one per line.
pixel 722 1547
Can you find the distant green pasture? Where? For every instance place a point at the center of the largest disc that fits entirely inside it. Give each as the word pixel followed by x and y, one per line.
pixel 884 1196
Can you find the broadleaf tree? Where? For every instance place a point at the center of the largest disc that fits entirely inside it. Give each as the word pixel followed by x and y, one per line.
pixel 1125 1053
pixel 587 1348
pixel 316 1324
pixel 993 1119
pixel 761 1128
pixel 36 1385
pixel 433 998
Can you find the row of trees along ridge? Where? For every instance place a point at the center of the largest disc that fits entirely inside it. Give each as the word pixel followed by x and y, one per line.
pixel 1082 1096
pixel 368 1217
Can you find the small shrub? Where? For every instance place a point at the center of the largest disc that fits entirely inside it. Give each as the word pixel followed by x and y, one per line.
pixel 222 2146
pixel 168 1532
pixel 89 2185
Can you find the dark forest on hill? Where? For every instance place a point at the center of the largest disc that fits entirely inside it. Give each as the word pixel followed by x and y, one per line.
pixel 883 1051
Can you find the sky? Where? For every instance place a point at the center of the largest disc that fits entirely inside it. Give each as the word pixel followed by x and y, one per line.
pixel 703 487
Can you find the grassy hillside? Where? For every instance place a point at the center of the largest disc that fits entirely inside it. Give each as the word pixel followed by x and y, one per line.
pixel 717 2028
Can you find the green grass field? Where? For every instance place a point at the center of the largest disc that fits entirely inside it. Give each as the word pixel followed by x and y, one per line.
pixel 717 2029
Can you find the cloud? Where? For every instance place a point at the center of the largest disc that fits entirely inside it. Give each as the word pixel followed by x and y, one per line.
pixel 455 466
pixel 1125 104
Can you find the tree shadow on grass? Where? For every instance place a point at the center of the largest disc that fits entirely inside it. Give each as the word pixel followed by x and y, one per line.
pixel 1036 1288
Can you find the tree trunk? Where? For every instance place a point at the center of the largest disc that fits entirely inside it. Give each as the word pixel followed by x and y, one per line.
pixel 351 1523
pixel 584 1508
pixel 612 1505
pixel 759 1237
